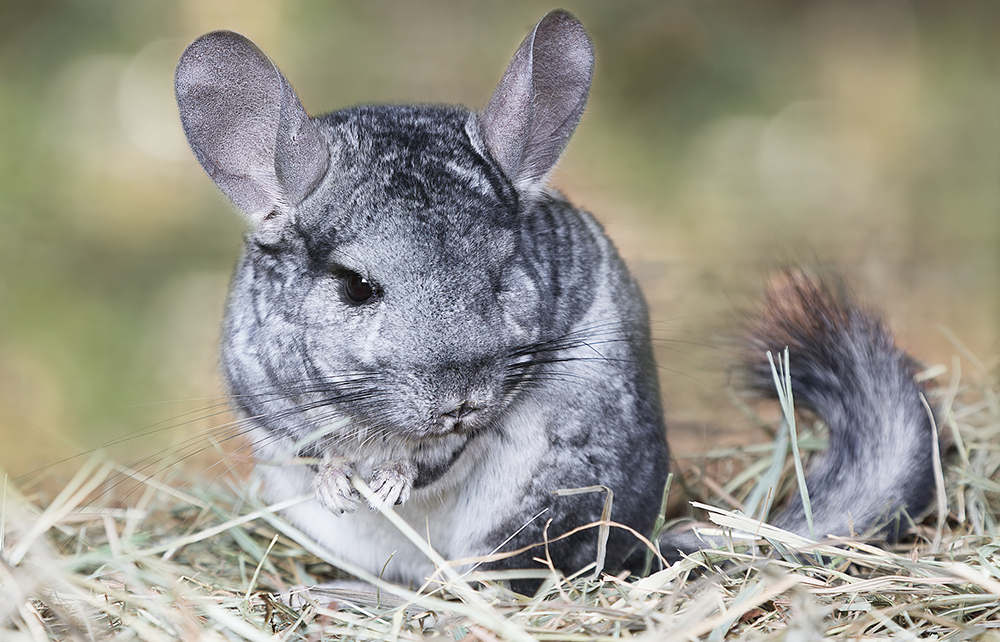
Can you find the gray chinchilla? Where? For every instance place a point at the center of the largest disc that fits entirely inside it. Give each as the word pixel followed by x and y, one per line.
pixel 416 309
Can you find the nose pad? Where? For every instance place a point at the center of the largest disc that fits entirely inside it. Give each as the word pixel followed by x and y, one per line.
pixel 456 415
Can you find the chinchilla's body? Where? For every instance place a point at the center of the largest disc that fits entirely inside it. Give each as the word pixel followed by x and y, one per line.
pixel 462 273
pixel 415 309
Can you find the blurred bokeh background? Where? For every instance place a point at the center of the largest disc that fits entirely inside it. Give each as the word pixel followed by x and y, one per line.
pixel 721 138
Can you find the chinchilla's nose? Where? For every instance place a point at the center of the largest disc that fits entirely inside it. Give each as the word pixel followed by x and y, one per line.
pixel 453 416
pixel 461 392
pixel 462 413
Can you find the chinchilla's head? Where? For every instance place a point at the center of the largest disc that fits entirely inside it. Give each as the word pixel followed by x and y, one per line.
pixel 385 276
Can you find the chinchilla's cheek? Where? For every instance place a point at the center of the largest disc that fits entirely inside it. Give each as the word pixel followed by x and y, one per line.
pixel 519 301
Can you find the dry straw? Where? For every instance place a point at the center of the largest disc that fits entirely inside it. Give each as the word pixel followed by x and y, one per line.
pixel 161 563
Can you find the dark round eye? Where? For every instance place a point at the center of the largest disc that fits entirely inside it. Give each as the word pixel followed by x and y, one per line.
pixel 358 289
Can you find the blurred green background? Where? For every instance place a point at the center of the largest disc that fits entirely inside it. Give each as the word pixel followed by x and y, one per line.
pixel 721 137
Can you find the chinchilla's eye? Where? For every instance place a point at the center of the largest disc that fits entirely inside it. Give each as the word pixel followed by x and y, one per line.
pixel 358 289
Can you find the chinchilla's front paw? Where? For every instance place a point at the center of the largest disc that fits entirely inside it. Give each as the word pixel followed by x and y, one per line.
pixel 332 485
pixel 392 481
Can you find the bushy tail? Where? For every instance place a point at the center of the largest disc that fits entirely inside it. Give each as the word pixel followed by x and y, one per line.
pixel 845 368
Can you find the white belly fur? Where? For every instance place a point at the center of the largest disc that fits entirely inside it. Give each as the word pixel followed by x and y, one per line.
pixel 459 514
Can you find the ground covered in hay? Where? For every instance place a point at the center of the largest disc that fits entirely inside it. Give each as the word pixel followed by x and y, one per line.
pixel 206 560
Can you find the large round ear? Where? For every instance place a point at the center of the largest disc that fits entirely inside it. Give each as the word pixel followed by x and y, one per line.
pixel 246 126
pixel 540 99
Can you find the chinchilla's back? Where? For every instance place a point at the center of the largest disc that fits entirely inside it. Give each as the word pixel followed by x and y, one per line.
pixel 418 321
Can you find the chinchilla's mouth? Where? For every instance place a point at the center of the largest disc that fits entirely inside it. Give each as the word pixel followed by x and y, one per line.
pixel 432 469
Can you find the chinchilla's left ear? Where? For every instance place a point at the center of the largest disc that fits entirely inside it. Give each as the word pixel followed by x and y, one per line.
pixel 540 99
pixel 246 126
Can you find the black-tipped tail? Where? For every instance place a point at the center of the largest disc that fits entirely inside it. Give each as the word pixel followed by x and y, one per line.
pixel 845 367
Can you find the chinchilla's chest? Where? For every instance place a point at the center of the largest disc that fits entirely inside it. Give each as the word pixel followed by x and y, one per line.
pixel 468 495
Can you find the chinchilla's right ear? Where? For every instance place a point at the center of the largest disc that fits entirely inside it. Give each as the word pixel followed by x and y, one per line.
pixel 539 100
pixel 246 126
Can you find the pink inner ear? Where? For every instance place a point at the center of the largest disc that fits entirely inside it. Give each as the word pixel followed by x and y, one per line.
pixel 246 126
pixel 539 100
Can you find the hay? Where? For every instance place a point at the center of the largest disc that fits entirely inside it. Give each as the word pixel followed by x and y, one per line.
pixel 162 562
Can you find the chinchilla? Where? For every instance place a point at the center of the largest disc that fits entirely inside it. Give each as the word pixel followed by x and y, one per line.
pixel 416 309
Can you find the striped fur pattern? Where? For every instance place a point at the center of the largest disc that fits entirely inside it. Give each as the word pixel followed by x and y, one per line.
pixel 416 309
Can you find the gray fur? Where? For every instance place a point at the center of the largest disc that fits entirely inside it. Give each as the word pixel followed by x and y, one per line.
pixel 504 352
pixel 845 368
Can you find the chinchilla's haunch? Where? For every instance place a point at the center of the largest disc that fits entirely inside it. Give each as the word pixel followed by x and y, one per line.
pixel 415 308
